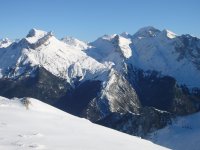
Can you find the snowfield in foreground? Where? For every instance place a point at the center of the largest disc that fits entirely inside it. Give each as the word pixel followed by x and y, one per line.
pixel 30 124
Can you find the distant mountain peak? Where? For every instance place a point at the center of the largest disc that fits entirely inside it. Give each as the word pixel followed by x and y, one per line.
pixel 40 36
pixel 148 28
pixel 125 35
pixel 4 39
pixel 107 37
pixel 75 42
pixel 34 32
pixel 5 42
pixel 146 32
pixel 169 33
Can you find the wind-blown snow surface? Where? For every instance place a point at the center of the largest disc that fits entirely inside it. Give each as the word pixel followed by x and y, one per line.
pixel 40 126
pixel 182 134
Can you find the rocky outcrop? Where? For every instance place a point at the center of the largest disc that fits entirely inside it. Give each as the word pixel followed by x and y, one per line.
pixel 116 95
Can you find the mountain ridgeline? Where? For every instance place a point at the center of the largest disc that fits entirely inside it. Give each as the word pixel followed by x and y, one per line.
pixel 132 83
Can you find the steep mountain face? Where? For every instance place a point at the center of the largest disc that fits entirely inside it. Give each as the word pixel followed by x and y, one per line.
pixel 116 95
pixel 132 83
pixel 189 49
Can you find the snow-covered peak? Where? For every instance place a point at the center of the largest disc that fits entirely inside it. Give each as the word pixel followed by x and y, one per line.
pixel 147 32
pixel 34 35
pixel 113 49
pixel 125 35
pixel 5 43
pixel 169 34
pixel 75 43
pixel 169 54
pixel 107 37
pixel 109 44
pixel 104 45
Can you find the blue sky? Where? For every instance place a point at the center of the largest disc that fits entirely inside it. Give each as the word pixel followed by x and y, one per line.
pixel 89 19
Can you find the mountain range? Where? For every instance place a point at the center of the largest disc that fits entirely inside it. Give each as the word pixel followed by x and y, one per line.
pixel 136 83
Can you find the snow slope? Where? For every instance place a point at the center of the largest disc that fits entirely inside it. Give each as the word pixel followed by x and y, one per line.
pixel 75 43
pixel 183 134
pixel 30 124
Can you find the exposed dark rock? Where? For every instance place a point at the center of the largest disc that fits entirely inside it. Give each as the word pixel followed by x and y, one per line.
pixel 148 120
pixel 123 96
pixel 117 96
pixel 162 92
pixel 42 85
pixel 80 97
